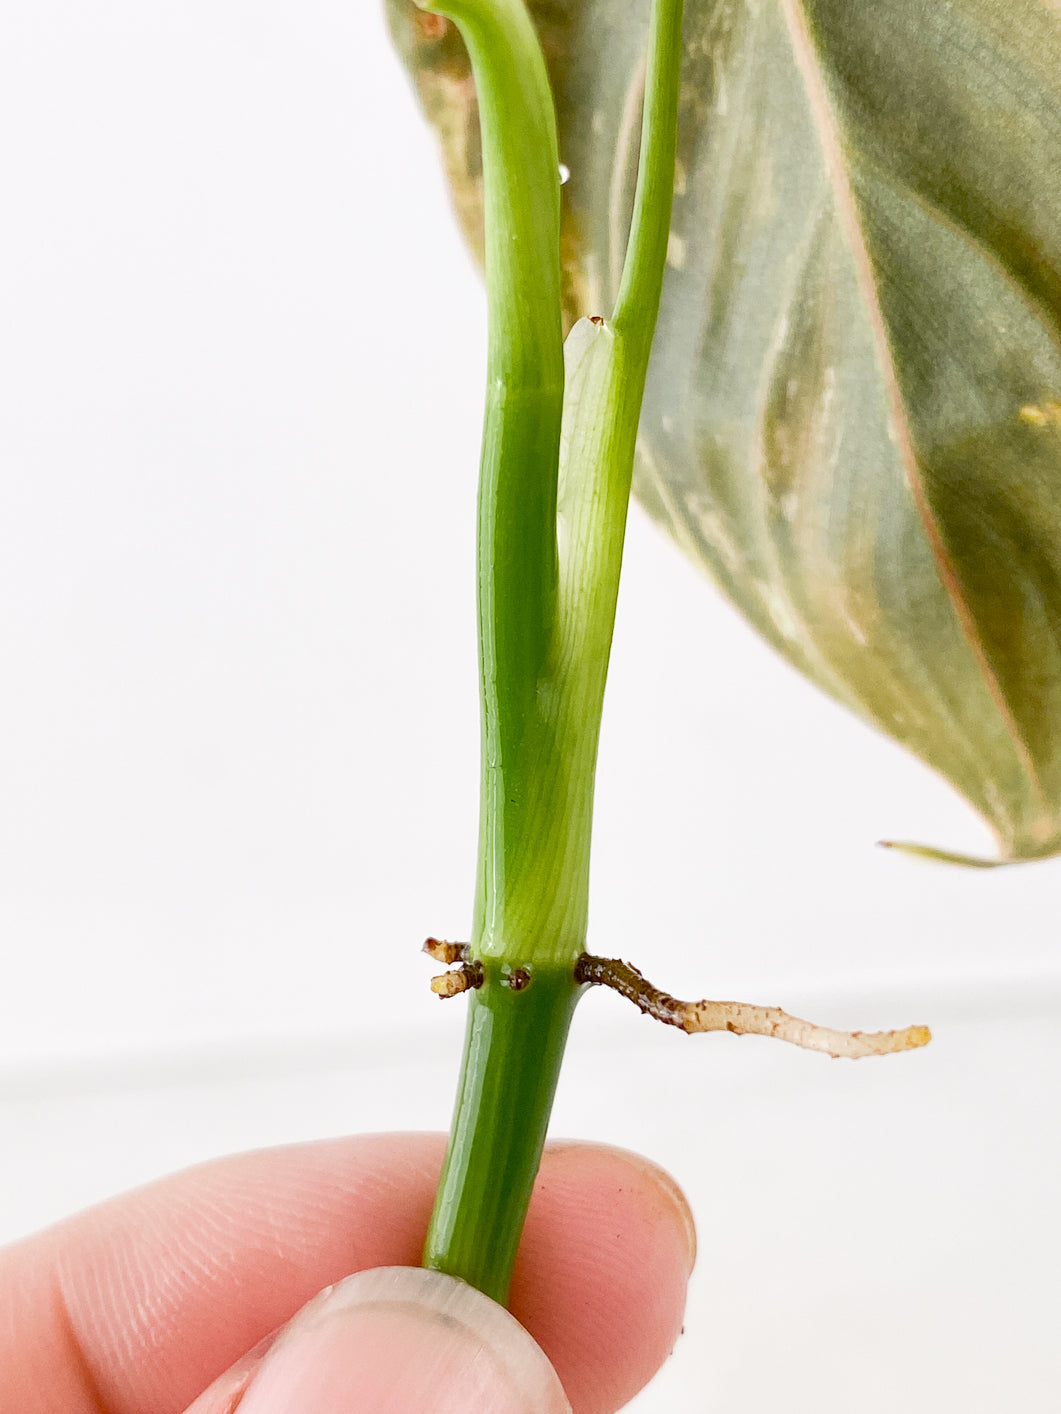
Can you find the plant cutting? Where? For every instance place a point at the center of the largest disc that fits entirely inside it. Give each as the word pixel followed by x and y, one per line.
pixel 851 417
pixel 838 523
pixel 557 457
pixel 681 259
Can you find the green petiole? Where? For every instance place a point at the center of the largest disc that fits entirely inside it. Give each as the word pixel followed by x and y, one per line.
pixel 558 448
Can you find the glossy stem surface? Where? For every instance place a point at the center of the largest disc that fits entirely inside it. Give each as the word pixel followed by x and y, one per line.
pixel 513 1049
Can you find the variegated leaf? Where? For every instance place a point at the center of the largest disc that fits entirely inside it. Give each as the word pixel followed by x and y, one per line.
pixel 853 416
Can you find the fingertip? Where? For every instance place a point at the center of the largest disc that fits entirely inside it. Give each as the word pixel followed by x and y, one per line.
pixel 603 1270
pixel 673 1203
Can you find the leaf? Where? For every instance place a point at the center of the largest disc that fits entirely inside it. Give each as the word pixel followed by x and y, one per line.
pixel 853 414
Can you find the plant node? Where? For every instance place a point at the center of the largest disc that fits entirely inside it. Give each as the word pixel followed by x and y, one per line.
pixel 518 978
pixel 740 1018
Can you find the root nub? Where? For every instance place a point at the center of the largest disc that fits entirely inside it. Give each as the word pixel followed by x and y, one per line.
pixel 464 978
pixel 447 953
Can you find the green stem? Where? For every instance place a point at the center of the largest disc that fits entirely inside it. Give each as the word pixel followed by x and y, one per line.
pixel 513 1050
pixel 552 517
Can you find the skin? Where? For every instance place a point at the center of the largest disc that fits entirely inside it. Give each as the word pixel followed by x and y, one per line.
pixel 139 1305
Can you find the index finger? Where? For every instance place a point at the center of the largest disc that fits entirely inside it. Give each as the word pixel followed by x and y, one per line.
pixel 136 1306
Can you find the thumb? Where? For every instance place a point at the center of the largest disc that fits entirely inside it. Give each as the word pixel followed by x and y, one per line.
pixel 397 1340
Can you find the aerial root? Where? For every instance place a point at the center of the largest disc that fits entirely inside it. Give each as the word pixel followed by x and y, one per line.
pixel 463 978
pixel 447 953
pixel 741 1019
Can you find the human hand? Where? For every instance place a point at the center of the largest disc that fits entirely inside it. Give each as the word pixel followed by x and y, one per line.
pixel 150 1303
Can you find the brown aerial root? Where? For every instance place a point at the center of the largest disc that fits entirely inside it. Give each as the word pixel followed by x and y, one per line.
pixel 446 953
pixel 741 1019
pixel 464 978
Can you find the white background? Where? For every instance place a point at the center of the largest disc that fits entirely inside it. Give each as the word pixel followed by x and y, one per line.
pixel 241 366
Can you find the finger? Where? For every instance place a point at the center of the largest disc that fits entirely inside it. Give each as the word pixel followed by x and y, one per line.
pixel 139 1304
pixel 401 1339
pixel 624 1278
pixel 602 1271
pixel 135 1306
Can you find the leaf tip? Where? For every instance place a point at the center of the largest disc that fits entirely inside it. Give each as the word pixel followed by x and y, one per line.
pixel 942 856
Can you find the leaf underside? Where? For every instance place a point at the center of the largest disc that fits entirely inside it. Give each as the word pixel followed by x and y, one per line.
pixel 853 412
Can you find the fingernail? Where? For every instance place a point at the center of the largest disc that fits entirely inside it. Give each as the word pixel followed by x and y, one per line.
pixel 226 1393
pixel 399 1339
